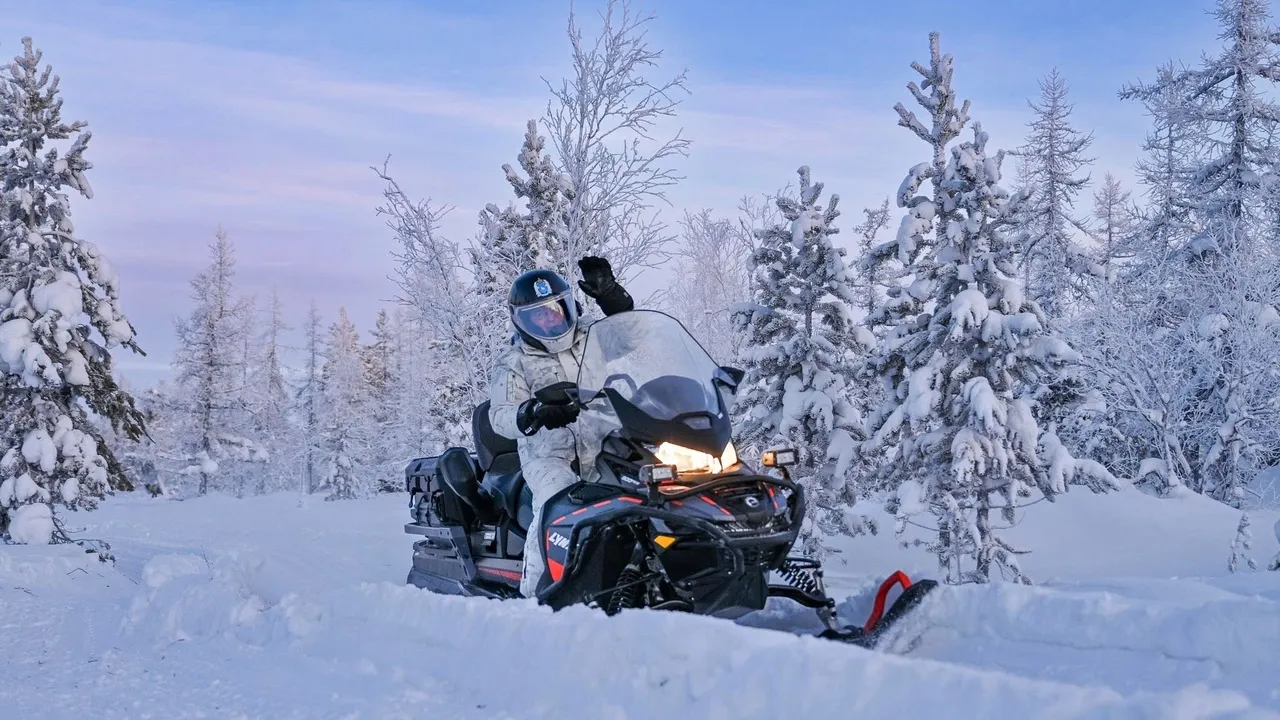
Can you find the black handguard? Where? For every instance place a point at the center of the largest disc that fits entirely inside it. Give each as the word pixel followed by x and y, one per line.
pixel 533 416
pixel 526 417
pixel 599 283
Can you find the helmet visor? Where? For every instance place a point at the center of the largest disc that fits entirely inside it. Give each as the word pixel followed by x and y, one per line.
pixel 550 319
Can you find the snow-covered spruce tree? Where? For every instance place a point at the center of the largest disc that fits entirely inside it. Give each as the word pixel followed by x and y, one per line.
pixel 756 214
pixel 150 460
pixel 1055 267
pixel 267 399
pixel 1114 224
pixel 59 318
pixel 209 365
pixel 344 419
pixel 963 346
pixel 309 401
pixel 1275 564
pixel 600 121
pixel 1076 407
pixel 1241 544
pixel 541 233
pixel 513 240
pixel 381 358
pixel 870 282
pixel 799 354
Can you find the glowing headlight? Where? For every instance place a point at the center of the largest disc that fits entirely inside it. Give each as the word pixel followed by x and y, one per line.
pixel 693 461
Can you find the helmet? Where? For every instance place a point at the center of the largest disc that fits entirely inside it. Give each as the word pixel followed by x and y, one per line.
pixel 543 310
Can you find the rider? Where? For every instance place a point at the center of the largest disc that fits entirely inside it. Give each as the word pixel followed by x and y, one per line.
pixel 546 349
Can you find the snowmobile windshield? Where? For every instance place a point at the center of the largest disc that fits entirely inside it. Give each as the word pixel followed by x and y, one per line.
pixel 652 362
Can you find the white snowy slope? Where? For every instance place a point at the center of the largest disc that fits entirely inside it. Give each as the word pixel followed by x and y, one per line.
pixel 280 608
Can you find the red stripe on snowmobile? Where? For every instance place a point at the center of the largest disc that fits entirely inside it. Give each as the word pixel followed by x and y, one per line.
pixel 508 574
pixel 712 502
pixel 897 578
pixel 579 512
pixel 556 569
pixel 631 499
pixel 602 503
pixel 559 520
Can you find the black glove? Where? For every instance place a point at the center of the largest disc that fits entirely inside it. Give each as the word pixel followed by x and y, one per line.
pixel 597 277
pixel 533 415
pixel 599 283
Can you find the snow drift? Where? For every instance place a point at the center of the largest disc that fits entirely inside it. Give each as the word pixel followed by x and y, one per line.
pixel 279 607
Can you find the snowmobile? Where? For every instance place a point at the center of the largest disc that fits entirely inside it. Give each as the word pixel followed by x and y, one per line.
pixel 669 518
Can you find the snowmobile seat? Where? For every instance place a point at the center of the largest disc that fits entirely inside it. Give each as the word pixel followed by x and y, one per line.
pixel 457 470
pixel 510 492
pixel 497 453
pixel 499 460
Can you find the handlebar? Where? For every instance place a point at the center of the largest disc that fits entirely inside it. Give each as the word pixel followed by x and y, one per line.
pixel 566 392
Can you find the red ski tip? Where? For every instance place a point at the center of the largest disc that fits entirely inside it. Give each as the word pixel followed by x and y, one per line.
pixel 897 578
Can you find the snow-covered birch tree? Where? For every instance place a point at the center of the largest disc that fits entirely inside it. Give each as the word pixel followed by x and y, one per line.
pixel 709 277
pixel 601 120
pixel 1229 100
pixel 60 317
pixel 1132 336
pixel 962 348
pixel 448 313
pixel 799 356
pixel 1212 295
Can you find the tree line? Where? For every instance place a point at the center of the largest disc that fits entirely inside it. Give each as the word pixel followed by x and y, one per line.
pixel 1002 346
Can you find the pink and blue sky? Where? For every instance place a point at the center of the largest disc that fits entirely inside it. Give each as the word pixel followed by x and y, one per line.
pixel 263 116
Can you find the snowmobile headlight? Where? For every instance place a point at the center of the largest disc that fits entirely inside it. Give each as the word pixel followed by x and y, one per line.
pixel 694 461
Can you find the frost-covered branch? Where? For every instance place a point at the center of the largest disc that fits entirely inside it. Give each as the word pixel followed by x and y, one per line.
pixel 602 121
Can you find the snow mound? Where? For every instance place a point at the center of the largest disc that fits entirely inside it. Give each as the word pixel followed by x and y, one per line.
pixel 277 608
pixel 48 567
pixel 579 663
pixel 1235 633
pixel 189 596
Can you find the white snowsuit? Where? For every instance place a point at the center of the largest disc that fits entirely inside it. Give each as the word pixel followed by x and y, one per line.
pixel 545 457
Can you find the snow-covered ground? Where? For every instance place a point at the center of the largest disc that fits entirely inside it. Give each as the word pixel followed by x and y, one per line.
pixel 280 607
